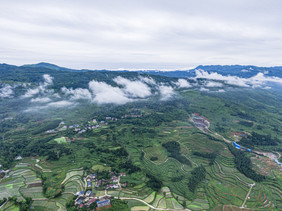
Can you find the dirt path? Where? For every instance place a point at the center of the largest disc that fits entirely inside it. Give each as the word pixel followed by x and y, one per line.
pixel 247 196
pixel 232 175
pixel 3 204
pixel 152 207
pixel 42 169
pixel 279 155
pixel 216 134
pixel 85 183
pixel 250 185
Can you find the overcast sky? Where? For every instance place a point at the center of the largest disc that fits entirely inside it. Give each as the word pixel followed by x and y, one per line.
pixel 147 34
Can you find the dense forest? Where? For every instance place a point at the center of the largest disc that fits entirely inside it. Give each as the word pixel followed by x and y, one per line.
pixel 197 175
pixel 256 139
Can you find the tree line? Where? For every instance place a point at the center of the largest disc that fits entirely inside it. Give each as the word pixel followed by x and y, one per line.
pixel 244 164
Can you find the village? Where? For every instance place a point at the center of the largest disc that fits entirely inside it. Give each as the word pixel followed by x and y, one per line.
pixel 93 124
pixel 88 197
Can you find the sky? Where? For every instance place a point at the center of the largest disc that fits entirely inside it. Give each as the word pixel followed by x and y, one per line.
pixel 147 34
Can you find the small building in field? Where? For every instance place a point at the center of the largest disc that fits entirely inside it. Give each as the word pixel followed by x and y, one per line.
pixel 103 203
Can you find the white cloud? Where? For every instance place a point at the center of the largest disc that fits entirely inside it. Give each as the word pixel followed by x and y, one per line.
pixel 221 90
pixel 48 80
pixel 203 89
pixel 233 80
pixel 32 92
pixel 41 89
pixel 6 91
pixel 261 79
pixel 256 81
pixel 213 84
pixel 133 88
pixel 245 71
pixel 147 80
pixel 59 104
pixel 78 93
pixel 182 83
pixel 40 100
pixel 166 92
pixel 104 93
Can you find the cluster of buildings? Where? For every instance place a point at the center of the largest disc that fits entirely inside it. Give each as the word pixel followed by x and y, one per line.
pixel 112 183
pixel 86 198
pixel 200 122
pixel 93 124
pixel 82 128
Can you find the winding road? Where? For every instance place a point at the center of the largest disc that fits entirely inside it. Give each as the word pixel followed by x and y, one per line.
pixel 152 207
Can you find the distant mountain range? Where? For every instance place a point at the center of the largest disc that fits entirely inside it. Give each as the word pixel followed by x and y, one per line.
pixel 244 71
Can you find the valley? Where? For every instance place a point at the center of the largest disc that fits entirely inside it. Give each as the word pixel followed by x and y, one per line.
pixel 195 150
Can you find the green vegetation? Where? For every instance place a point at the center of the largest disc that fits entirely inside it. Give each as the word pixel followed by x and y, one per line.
pixel 198 174
pixel 244 165
pixel 168 162
pixel 257 139
pixel 210 156
pixel 61 140
pixel 118 205
pixel 173 148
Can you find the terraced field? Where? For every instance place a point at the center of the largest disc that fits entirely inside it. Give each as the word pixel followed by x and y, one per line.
pixel 22 181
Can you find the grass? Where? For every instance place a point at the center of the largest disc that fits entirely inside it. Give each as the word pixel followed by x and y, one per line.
pixel 61 140
pixel 100 168
pixel 156 151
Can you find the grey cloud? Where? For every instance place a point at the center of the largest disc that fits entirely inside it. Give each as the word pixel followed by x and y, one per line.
pixel 149 34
